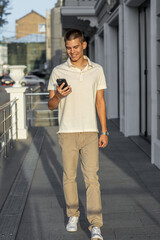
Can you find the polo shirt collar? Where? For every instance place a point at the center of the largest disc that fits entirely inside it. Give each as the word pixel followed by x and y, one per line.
pixel 90 65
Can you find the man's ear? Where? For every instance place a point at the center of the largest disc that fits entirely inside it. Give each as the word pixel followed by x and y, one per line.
pixel 84 45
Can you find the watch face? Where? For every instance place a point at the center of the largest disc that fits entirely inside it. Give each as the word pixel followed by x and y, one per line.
pixel 105 133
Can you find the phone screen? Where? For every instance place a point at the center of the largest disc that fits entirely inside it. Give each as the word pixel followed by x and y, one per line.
pixel 62 80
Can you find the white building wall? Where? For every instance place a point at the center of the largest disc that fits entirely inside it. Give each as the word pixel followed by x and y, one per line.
pixel 3 56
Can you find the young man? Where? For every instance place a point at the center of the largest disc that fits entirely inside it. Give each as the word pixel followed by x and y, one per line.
pixel 78 133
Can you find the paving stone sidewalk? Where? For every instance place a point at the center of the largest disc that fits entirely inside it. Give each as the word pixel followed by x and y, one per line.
pixel 130 194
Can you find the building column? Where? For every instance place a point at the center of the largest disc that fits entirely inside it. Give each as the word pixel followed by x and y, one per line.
pixel 92 50
pixel 121 67
pixel 57 45
pixel 155 60
pixel 131 71
pixel 100 43
pixel 96 49
pixel 110 68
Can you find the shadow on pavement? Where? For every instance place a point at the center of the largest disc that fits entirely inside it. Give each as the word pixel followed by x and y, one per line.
pixel 130 186
pixel 51 162
pixel 49 167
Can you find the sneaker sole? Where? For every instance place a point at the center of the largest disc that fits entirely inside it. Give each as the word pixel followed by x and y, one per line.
pixel 95 238
pixel 71 230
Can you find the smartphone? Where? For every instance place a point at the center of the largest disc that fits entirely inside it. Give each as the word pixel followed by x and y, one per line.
pixel 62 80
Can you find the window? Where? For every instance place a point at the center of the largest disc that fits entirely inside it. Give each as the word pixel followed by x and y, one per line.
pixel 42 28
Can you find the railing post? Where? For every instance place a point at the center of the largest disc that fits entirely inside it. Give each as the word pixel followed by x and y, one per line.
pixel 16 119
pixel 30 112
pixel 4 132
pixel 10 113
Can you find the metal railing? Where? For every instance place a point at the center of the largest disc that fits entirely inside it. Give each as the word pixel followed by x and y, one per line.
pixel 37 102
pixel 8 125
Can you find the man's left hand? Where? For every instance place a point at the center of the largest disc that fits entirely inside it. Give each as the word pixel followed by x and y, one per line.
pixel 103 141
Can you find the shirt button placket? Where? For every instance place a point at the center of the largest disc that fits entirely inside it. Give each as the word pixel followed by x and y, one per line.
pixel 81 77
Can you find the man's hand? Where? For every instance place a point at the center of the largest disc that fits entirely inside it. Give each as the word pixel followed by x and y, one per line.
pixel 63 92
pixel 103 141
pixel 56 96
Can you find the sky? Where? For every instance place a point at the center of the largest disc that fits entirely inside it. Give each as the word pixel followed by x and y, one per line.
pixel 19 8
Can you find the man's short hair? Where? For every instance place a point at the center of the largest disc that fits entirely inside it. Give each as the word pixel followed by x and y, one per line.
pixel 73 34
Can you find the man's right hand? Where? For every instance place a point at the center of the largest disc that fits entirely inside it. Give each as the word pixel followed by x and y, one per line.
pixel 63 92
pixel 56 96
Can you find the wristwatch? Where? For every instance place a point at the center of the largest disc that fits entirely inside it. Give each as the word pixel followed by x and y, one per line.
pixel 105 133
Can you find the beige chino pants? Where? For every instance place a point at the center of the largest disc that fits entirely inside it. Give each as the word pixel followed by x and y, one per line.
pixel 86 145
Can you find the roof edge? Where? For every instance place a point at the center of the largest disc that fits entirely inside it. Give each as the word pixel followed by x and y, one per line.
pixel 30 13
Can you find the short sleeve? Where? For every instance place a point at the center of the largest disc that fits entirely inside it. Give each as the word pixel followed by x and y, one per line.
pixel 102 80
pixel 52 81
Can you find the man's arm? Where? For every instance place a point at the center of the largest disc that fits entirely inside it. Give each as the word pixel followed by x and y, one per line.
pixel 101 110
pixel 56 96
pixel 54 100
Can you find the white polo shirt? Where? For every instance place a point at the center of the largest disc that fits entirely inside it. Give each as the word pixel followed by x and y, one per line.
pixel 77 111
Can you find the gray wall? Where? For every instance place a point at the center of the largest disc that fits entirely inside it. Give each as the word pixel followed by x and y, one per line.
pixel 80 2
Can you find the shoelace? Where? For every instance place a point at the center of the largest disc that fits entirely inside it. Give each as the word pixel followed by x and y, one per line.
pixel 96 230
pixel 72 219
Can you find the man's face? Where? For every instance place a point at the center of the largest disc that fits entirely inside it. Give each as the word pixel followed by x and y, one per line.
pixel 75 49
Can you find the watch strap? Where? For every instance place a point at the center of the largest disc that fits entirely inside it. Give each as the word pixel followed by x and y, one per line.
pixel 105 133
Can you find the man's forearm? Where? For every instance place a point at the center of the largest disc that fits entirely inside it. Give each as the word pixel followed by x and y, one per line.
pixel 101 110
pixel 53 102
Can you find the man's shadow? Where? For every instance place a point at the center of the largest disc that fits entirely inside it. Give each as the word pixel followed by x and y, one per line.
pixel 50 162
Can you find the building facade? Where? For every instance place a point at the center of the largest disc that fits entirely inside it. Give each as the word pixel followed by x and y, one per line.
pixel 55 51
pixel 3 57
pixel 57 25
pixel 32 55
pixel 123 36
pixel 32 23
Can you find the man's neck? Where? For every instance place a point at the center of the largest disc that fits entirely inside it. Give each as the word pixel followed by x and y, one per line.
pixel 81 63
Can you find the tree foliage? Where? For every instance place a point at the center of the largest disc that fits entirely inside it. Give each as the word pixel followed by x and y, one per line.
pixel 3 11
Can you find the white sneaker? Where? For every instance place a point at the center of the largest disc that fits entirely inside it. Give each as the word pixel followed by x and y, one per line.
pixel 96 233
pixel 72 224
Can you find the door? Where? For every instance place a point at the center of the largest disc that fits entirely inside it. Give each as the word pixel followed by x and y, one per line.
pixel 145 71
